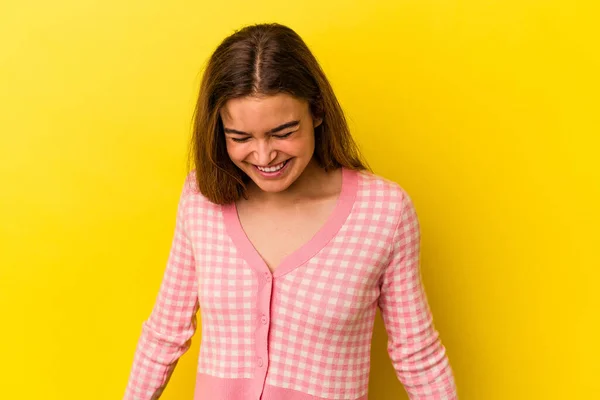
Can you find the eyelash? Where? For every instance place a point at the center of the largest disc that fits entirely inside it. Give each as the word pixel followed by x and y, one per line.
pixel 247 138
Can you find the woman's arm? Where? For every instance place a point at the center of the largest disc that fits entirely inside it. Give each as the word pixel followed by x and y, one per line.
pixel 414 346
pixel 166 334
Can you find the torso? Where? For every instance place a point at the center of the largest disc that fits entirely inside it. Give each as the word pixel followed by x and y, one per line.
pixel 278 231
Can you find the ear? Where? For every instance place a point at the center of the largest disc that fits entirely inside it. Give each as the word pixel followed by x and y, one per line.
pixel 317 122
pixel 316 111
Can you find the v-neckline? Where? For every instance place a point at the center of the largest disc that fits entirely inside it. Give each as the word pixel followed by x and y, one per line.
pixel 307 250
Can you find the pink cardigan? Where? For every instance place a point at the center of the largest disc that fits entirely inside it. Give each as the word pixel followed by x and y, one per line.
pixel 303 332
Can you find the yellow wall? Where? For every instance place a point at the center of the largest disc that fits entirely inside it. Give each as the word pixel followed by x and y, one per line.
pixel 486 112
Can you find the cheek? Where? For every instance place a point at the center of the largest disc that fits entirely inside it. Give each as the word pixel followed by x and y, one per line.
pixel 300 146
pixel 235 151
pixel 308 145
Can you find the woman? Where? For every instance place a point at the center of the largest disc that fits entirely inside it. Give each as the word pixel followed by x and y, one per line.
pixel 287 243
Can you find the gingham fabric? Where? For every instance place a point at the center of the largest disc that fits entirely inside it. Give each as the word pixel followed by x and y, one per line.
pixel 304 331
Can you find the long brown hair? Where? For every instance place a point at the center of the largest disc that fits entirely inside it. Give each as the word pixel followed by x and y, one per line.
pixel 263 59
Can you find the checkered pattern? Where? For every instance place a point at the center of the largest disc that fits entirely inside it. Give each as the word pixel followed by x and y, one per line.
pixel 167 332
pixel 321 311
pixel 414 346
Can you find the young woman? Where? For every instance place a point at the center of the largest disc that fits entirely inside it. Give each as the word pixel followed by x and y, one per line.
pixel 287 244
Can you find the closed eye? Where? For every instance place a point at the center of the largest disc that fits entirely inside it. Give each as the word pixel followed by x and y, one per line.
pixel 245 139
pixel 283 136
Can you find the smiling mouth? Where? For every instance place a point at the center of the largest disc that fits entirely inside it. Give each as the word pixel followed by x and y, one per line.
pixel 274 168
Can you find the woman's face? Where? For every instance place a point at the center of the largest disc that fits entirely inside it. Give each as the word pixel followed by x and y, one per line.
pixel 270 138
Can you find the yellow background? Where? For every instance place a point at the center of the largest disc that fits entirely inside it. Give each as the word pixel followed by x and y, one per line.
pixel 486 112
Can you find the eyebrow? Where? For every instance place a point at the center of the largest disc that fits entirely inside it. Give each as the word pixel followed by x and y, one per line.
pixel 274 130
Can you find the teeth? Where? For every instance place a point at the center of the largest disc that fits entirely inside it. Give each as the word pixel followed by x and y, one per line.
pixel 272 169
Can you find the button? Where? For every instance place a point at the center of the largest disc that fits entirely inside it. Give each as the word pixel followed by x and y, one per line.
pixel 260 362
pixel 264 319
pixel 268 276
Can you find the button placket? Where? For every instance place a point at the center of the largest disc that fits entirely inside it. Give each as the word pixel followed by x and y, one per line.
pixel 262 331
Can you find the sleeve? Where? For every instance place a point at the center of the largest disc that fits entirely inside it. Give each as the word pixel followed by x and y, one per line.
pixel 414 346
pixel 166 334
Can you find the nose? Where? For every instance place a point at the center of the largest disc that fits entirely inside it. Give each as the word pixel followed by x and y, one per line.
pixel 265 152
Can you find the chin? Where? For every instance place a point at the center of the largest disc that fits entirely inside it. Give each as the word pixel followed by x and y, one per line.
pixel 272 187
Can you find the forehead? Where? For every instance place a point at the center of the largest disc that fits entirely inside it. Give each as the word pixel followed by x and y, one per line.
pixel 262 113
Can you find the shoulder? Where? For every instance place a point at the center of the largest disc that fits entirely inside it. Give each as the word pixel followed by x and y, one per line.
pixel 191 197
pixel 190 185
pixel 377 192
